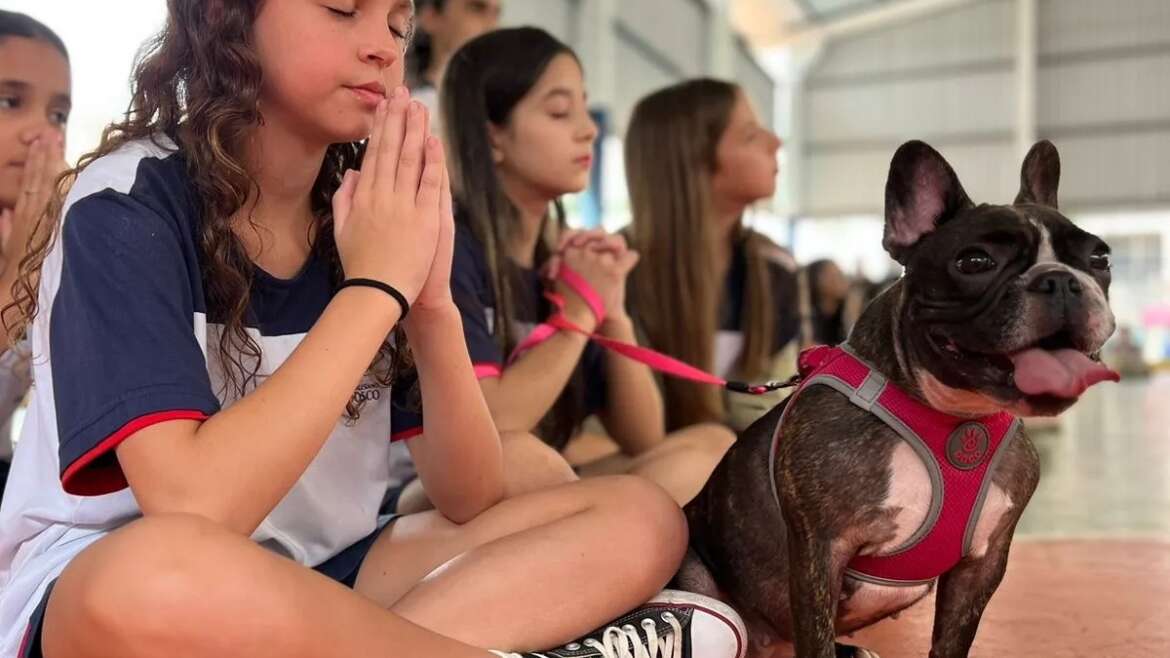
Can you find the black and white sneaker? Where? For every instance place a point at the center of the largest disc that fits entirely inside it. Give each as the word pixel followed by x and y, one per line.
pixel 671 625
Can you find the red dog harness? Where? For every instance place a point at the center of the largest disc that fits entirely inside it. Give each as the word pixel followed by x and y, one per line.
pixel 959 453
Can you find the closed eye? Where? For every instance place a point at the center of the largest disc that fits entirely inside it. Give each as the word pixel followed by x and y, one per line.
pixel 401 35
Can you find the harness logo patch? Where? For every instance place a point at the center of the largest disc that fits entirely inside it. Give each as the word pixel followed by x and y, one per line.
pixel 967 446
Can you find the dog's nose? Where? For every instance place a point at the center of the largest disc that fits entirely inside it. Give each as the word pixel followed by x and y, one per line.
pixel 1056 283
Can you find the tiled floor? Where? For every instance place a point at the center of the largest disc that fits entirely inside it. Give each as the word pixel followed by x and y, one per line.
pixel 1090 570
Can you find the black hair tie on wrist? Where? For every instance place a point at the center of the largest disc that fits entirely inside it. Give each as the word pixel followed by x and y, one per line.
pixel 384 287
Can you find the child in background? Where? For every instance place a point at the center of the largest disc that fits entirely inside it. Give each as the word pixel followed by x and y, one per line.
pixel 521 136
pixel 35 101
pixel 697 157
pixel 443 27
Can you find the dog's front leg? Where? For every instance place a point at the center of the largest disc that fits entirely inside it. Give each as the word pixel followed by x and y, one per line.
pixel 812 593
pixel 963 593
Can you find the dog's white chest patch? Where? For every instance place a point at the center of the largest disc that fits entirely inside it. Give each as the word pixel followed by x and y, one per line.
pixel 997 503
pixel 911 494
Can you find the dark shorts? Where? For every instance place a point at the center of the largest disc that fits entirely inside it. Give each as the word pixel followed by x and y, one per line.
pixel 342 567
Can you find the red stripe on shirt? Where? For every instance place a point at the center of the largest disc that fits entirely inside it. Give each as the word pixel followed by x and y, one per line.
pixel 487 370
pixel 81 480
pixel 406 434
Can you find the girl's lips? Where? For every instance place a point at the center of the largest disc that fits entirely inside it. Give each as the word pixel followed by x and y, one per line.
pixel 368 96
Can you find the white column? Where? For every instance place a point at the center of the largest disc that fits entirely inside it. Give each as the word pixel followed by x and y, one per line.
pixel 596 45
pixel 791 72
pixel 720 41
pixel 1026 74
pixel 594 41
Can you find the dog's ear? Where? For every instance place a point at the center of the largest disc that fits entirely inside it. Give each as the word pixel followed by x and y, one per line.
pixel 922 193
pixel 1040 175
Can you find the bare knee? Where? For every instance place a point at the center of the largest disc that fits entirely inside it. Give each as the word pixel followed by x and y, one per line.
pixel 651 525
pixel 708 438
pixel 140 587
pixel 530 464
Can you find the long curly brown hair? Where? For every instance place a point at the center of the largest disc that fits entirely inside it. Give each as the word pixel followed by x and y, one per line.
pixel 198 81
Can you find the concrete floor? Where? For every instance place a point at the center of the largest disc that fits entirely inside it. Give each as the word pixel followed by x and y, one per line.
pixel 1106 470
pixel 1060 599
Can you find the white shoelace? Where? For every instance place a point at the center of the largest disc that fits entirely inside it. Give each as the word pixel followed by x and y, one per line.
pixel 625 642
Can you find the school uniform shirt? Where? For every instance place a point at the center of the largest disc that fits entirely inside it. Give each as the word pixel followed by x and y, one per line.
pixel 729 339
pixel 122 341
pixel 428 95
pixel 471 288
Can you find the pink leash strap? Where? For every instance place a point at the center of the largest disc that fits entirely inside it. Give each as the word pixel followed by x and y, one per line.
pixel 644 355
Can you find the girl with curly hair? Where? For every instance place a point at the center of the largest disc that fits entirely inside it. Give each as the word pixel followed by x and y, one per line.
pixel 218 329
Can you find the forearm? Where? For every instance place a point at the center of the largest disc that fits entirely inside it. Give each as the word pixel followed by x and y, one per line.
pixel 236 466
pixel 458 456
pixel 521 396
pixel 634 413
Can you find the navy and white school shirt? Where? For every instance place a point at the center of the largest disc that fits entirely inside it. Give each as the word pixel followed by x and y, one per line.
pixel 122 341
pixel 471 288
pixel 730 339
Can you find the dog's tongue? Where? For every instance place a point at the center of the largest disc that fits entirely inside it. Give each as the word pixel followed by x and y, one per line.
pixel 1062 373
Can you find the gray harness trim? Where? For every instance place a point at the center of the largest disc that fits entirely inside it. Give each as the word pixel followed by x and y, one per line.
pixel 885 582
pixel 973 520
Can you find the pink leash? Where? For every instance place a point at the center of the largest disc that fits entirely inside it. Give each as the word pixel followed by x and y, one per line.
pixel 655 360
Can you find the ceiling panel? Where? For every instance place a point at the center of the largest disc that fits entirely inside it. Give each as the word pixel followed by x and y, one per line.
pixel 768 22
pixel 820 10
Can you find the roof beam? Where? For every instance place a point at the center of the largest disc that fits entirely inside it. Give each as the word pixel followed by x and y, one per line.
pixel 884 15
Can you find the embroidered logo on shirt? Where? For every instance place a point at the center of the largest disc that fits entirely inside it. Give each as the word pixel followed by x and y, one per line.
pixel 369 391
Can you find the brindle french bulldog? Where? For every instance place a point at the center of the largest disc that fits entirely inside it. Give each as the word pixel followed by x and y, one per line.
pixel 1002 308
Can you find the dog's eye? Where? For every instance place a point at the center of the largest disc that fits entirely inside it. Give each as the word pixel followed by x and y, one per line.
pixel 1101 260
pixel 974 261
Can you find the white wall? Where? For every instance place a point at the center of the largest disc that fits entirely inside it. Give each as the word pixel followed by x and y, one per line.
pixel 556 16
pixel 946 78
pixel 1104 98
pixel 1102 95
